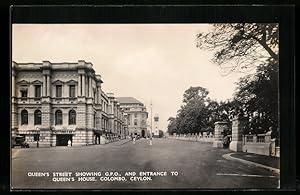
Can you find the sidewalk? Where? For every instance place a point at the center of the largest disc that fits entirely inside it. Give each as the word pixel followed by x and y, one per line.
pixel 270 161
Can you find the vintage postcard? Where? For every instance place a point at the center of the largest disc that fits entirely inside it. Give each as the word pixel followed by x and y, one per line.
pixel 145 106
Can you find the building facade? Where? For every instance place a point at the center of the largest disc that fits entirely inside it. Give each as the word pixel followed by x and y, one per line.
pixel 53 103
pixel 136 115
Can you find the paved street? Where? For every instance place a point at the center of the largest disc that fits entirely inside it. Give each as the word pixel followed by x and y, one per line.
pixel 199 165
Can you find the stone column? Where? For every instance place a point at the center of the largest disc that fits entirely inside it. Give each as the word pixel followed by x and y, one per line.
pixel 79 85
pixel 44 86
pixel 83 85
pixel 48 86
pixel 220 127
pixel 90 87
pixel 98 95
pixel 236 143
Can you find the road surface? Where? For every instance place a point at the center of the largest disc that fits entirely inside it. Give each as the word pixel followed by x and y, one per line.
pixel 198 165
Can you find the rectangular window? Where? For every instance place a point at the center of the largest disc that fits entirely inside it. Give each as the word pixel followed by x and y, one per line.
pixel 58 118
pixel 37 91
pixel 72 91
pixel 24 91
pixel 135 115
pixel 58 91
pixel 24 94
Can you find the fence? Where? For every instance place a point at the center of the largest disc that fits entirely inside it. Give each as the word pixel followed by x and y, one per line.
pixel 260 144
pixel 109 138
pixel 209 138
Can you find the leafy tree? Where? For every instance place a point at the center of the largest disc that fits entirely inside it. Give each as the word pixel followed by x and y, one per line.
pixel 192 117
pixel 259 94
pixel 244 47
pixel 244 44
pixel 195 93
pixel 172 125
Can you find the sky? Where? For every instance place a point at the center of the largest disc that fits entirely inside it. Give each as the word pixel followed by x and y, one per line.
pixel 151 62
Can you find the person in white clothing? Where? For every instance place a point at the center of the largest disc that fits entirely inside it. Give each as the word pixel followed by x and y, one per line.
pixel 69 143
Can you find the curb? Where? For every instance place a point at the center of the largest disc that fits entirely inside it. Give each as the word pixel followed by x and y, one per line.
pixel 229 157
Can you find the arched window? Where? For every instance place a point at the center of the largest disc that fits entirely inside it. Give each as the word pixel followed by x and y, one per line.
pixel 37 117
pixel 72 117
pixel 24 117
pixel 58 117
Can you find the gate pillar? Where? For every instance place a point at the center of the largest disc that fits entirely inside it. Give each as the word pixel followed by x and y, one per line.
pixel 238 124
pixel 220 127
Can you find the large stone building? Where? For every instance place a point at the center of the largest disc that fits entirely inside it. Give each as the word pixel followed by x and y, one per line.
pixel 53 103
pixel 136 115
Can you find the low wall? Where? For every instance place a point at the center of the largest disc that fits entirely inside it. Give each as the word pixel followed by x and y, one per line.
pixel 194 137
pixel 260 144
pixel 109 139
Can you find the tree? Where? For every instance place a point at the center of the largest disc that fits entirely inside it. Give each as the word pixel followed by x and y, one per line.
pixel 172 125
pixel 244 47
pixel 244 44
pixel 192 117
pixel 195 93
pixel 259 94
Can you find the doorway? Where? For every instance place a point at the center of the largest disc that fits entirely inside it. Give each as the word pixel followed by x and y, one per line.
pixel 97 139
pixel 62 140
pixel 143 133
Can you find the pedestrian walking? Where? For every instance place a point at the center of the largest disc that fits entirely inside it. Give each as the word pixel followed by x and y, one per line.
pixel 150 141
pixel 69 143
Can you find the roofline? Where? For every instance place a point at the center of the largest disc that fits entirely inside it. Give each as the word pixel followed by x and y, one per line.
pixel 47 65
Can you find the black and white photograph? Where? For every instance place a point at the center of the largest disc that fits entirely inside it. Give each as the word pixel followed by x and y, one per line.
pixel 145 106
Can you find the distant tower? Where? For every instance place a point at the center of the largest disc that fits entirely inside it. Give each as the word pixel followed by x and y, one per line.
pixel 156 122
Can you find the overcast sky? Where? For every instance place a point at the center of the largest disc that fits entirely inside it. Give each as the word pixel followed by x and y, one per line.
pixel 151 62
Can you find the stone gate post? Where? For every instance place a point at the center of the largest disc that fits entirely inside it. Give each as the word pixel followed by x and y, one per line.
pixel 220 126
pixel 236 143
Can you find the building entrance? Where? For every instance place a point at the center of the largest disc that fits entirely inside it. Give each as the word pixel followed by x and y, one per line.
pixel 62 140
pixel 97 139
pixel 143 133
